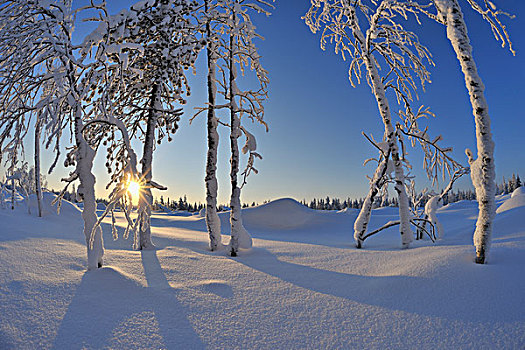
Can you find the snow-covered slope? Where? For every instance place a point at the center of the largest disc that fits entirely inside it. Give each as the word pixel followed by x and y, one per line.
pixel 516 200
pixel 285 213
pixel 67 208
pixel 303 285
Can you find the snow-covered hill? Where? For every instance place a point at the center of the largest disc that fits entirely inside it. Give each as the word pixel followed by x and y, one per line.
pixel 303 285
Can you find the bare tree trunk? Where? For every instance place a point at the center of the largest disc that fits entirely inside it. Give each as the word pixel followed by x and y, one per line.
pixel 362 220
pixel 239 235
pixel 213 223
pixel 84 165
pixel 235 201
pixel 146 197
pixel 38 183
pixel 384 109
pixel 378 89
pixel 482 169
pixel 86 189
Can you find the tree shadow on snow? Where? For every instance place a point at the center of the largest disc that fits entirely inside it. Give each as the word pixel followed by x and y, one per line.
pixel 110 309
pixel 418 295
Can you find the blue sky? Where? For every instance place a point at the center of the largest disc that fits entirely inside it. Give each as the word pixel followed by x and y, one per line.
pixel 314 147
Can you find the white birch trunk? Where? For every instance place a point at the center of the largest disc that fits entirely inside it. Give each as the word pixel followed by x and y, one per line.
pixel 38 183
pixel 362 220
pixel 213 223
pixel 146 197
pixel 239 236
pixel 482 169
pixel 86 189
pixel 378 89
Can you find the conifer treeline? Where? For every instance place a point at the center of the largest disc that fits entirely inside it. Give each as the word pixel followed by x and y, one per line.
pixel 181 204
pixel 509 186
pixel 327 203
pixel 505 187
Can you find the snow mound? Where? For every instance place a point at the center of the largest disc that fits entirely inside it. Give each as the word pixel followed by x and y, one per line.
pixel 6 194
pixel 352 211
pixel 520 191
pixel 164 208
pixel 517 199
pixel 284 213
pixel 66 209
pixel 459 205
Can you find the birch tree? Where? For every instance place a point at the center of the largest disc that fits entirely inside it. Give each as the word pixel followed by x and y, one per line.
pixel 239 52
pixel 229 32
pixel 482 168
pixel 213 223
pixel 384 44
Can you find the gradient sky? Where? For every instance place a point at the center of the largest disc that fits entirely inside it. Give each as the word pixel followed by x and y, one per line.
pixel 314 147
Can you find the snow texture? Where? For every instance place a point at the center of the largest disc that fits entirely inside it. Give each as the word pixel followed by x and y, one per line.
pixel 516 200
pixel 301 286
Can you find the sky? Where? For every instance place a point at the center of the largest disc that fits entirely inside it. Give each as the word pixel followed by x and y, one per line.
pixel 314 147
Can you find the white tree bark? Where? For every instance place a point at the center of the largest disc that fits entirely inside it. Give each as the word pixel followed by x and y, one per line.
pixel 86 189
pixel 213 223
pixel 482 169
pixel 146 197
pixel 362 220
pixel 378 89
pixel 384 109
pixel 38 183
pixel 239 236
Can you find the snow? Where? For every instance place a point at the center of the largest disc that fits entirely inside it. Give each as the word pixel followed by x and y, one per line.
pixel 251 143
pixel 302 285
pixel 516 200
pixel 282 214
pixel 431 208
pixel 67 208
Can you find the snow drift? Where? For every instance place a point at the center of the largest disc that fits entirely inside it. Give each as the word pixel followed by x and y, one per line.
pixel 67 209
pixel 284 213
pixel 305 277
pixel 516 200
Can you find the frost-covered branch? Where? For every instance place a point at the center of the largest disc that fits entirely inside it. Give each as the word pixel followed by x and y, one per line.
pixel 383 43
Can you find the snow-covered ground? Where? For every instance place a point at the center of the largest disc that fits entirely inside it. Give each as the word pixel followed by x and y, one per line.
pixel 302 286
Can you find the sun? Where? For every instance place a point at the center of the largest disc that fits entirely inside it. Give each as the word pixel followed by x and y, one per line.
pixel 134 190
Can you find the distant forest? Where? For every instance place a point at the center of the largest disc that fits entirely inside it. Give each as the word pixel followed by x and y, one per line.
pixel 327 203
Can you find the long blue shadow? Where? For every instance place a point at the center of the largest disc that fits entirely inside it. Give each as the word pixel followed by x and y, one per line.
pixel 417 295
pixel 106 298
